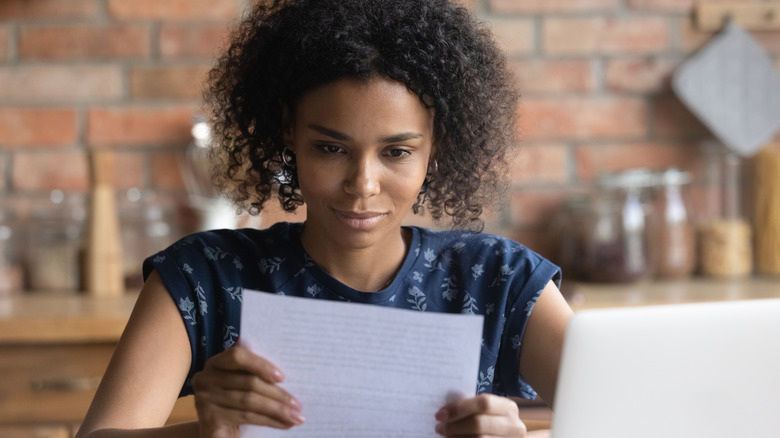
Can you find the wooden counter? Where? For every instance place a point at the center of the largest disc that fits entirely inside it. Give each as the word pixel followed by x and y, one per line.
pixel 53 349
pixel 42 318
pixel 45 318
pixel 592 295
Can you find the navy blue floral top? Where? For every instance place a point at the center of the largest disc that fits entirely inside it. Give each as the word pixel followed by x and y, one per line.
pixel 445 271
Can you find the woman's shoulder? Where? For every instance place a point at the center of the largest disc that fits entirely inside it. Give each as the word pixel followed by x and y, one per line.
pixel 280 234
pixel 468 241
pixel 467 248
pixel 232 244
pixel 224 251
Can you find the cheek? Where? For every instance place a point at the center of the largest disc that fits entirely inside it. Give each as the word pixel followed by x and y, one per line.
pixel 408 185
pixel 313 183
pixel 319 182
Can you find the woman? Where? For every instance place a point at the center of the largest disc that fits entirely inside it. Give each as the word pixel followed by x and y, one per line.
pixel 362 111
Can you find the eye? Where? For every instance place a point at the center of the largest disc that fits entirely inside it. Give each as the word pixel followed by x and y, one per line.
pixel 398 153
pixel 328 148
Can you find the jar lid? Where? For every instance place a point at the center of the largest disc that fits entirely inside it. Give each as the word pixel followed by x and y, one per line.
pixel 628 179
pixel 674 177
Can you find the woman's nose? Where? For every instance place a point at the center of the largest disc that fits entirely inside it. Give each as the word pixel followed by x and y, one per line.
pixel 362 178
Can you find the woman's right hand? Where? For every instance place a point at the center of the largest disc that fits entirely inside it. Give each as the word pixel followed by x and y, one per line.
pixel 238 387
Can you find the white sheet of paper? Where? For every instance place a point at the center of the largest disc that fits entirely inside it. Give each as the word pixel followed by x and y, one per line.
pixel 361 370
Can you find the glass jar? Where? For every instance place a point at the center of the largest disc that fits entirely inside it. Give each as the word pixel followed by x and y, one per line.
pixel 11 274
pixel 55 243
pixel 674 236
pixel 618 246
pixel 145 230
pixel 570 229
pixel 725 247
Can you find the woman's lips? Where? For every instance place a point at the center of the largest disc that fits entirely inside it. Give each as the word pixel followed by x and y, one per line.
pixel 360 220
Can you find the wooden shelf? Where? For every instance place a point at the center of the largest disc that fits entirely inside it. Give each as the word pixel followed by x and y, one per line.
pixel 595 295
pixel 55 338
pixel 41 318
pixel 712 17
pixel 50 318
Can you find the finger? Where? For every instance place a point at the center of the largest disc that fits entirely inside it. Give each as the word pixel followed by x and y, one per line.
pixel 241 391
pixel 481 404
pixel 241 381
pixel 482 426
pixel 249 402
pixel 228 416
pixel 239 358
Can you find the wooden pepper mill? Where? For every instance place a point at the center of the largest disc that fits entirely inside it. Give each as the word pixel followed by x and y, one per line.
pixel 766 204
pixel 104 276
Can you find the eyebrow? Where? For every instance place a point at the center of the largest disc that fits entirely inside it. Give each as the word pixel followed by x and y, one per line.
pixel 344 137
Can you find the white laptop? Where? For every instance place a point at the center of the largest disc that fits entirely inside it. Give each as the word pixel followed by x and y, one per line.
pixel 688 370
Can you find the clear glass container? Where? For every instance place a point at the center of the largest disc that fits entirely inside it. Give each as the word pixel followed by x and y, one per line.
pixel 618 246
pixel 146 228
pixel 724 233
pixel 570 229
pixel 674 233
pixel 55 243
pixel 11 272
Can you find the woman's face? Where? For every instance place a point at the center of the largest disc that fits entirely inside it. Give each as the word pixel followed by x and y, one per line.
pixel 362 151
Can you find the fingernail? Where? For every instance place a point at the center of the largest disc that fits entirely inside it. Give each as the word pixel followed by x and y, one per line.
pixel 295 404
pixel 440 428
pixel 297 417
pixel 278 376
pixel 442 415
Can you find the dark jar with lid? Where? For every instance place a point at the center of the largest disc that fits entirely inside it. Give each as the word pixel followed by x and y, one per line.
pixel 618 233
pixel 570 229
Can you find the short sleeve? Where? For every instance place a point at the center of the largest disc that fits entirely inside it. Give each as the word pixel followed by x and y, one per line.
pixel 199 273
pixel 536 273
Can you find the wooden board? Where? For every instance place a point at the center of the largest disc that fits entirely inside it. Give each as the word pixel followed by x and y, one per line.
pixel 711 17
pixel 50 318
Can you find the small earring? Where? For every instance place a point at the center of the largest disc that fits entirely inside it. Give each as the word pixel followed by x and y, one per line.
pixel 288 158
pixel 435 168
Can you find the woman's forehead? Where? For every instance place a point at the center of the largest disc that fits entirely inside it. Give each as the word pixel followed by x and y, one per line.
pixel 355 94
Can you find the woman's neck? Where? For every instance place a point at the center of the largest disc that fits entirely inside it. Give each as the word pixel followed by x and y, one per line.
pixel 364 269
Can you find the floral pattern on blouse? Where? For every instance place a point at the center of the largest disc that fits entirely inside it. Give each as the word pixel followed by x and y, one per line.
pixel 447 271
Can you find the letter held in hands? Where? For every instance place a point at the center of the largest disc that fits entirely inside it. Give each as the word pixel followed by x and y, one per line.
pixel 361 370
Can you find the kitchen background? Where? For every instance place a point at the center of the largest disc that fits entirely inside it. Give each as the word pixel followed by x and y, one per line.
pixel 78 76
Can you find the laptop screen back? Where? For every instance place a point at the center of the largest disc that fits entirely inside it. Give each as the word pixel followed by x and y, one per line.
pixel 689 370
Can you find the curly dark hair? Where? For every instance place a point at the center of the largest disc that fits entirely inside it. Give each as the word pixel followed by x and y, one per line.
pixel 285 48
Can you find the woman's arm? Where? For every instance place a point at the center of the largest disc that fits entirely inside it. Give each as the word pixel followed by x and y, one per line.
pixel 488 414
pixel 146 372
pixel 543 342
pixel 149 366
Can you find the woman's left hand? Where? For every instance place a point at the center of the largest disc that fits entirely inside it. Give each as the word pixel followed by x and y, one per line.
pixel 483 415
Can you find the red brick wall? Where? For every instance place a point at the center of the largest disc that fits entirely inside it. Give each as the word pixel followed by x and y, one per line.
pixel 126 75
